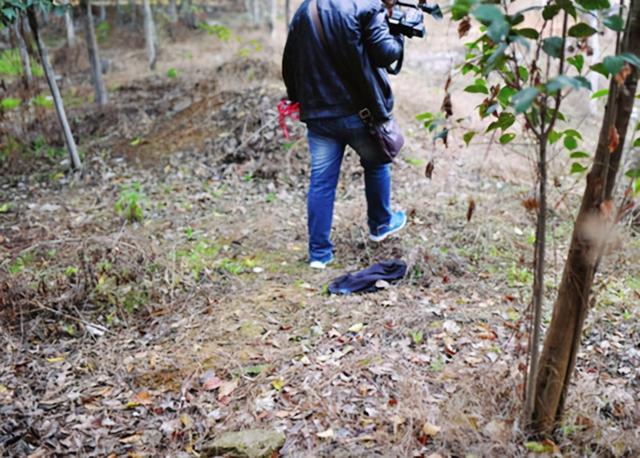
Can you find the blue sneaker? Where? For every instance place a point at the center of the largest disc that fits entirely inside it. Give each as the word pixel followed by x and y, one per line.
pixel 398 221
pixel 318 264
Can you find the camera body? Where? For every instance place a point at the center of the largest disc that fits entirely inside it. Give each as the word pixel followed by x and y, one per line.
pixel 407 18
pixel 409 23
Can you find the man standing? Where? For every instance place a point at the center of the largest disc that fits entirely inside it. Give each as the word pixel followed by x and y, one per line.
pixel 334 66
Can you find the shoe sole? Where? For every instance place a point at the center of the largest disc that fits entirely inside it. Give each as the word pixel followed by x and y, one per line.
pixel 380 238
pixel 320 265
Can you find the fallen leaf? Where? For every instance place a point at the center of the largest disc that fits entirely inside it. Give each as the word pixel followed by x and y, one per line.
pixel 356 327
pixel 614 139
pixel 186 421
pixel 278 384
pixel 210 382
pixel 451 327
pixel 133 439
pixel 226 388
pixel 429 429
pixel 142 398
pixel 583 421
pixel 545 446
pixel 488 335
pixel 328 434
pixel 57 359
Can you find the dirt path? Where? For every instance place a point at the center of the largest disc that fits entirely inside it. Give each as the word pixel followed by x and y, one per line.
pixel 151 338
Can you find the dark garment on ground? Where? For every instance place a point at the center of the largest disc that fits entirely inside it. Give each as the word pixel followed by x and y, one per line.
pixel 365 280
pixel 358 35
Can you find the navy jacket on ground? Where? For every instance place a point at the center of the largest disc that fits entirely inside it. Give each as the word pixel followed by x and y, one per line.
pixel 358 35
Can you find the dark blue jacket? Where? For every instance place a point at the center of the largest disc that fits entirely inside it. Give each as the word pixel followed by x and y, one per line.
pixel 358 35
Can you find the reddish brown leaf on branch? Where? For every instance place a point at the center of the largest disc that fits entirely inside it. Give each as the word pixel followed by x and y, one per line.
pixel 623 74
pixel 531 204
pixel 607 208
pixel 428 171
pixel 447 84
pixel 614 139
pixel 464 27
pixel 447 106
pixel 471 209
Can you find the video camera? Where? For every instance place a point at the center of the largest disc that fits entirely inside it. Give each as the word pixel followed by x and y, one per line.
pixel 410 22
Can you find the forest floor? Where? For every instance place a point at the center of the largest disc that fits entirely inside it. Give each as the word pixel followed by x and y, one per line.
pixel 163 297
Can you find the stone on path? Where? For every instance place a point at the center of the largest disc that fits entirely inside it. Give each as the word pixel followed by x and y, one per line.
pixel 252 443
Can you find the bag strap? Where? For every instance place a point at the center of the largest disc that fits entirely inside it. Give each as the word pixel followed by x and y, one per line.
pixel 364 113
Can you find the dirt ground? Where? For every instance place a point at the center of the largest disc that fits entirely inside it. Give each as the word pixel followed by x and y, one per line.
pixel 151 337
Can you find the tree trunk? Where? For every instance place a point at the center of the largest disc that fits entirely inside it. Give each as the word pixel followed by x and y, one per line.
pixel 24 53
pixel 589 238
pixel 273 17
pixel 538 276
pixel 101 96
pixel 149 34
pixel 118 13
pixel 102 13
pixel 256 12
pixel 133 14
pixel 287 13
pixel 55 92
pixel 71 31
pixel 172 12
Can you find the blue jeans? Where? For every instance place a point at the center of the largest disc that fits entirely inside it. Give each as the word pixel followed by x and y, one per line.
pixel 327 141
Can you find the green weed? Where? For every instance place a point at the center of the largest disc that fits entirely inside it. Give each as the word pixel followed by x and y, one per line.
pixel 21 263
pixel 221 32
pixel 518 276
pixel 102 32
pixel 202 255
pixel 42 100
pixel 11 64
pixel 10 103
pixel 417 337
pixel 130 203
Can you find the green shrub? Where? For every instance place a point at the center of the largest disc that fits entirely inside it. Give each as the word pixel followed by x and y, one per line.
pixel 11 65
pixel 10 103
pixel 130 203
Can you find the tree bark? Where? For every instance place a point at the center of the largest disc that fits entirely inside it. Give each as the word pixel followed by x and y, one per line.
pixel 102 13
pixel 149 34
pixel 287 13
pixel 133 13
pixel 101 96
pixel 71 31
pixel 24 53
pixel 55 92
pixel 588 241
pixel 172 12
pixel 273 17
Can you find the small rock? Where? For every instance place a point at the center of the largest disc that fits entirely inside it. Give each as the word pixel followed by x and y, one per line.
pixel 252 443
pixel 181 105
